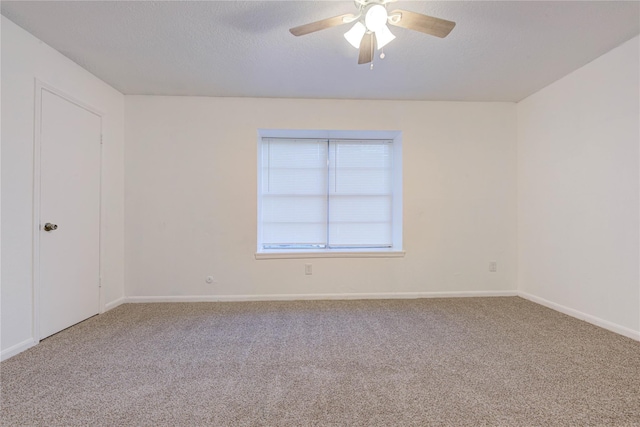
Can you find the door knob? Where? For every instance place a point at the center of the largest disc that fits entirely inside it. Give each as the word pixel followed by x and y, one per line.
pixel 50 227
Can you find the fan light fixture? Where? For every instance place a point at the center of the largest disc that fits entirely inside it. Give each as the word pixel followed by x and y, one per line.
pixel 375 18
pixel 375 21
pixel 355 34
pixel 383 36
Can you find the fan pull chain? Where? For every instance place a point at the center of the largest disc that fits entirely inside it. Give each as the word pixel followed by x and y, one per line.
pixel 371 68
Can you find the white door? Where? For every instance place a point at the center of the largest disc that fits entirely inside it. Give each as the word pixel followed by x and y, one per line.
pixel 69 256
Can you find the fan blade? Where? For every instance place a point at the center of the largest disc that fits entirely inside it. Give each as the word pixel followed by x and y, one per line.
pixel 366 49
pixel 423 23
pixel 322 25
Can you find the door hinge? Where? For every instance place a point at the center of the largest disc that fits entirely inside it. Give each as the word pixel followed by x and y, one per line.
pixel 101 138
pixel 99 282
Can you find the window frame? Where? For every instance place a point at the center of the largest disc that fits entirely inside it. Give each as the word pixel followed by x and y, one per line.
pixel 396 250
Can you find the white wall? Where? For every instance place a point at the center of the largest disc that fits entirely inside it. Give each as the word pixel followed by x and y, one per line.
pixel 578 192
pixel 25 58
pixel 190 169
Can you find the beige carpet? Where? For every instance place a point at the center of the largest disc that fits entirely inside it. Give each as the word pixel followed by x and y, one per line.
pixel 440 362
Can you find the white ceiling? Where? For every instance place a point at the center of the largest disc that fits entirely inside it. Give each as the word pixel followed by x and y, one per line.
pixel 499 50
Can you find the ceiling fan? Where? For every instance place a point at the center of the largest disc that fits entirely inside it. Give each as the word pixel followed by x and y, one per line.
pixel 371 20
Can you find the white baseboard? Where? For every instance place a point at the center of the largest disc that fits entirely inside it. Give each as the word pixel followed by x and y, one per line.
pixel 114 304
pixel 302 297
pixel 18 348
pixel 613 327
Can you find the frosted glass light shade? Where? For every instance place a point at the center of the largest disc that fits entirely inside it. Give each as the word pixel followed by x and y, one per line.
pixel 354 35
pixel 384 36
pixel 376 17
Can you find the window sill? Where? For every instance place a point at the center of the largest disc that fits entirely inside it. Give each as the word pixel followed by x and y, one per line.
pixel 329 254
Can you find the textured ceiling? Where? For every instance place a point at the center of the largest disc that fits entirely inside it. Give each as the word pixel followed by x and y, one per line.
pixel 499 51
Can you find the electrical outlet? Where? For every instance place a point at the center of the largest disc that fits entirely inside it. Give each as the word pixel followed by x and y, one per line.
pixel 308 270
pixel 493 266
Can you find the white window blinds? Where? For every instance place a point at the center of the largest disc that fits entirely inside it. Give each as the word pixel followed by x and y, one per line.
pixel 294 193
pixel 326 193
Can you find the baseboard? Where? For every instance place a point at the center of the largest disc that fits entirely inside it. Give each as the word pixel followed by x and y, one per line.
pixel 613 327
pixel 18 348
pixel 294 297
pixel 114 304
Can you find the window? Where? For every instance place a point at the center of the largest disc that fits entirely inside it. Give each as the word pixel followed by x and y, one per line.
pixel 339 195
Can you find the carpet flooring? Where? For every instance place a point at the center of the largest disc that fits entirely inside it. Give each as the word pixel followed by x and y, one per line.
pixel 426 362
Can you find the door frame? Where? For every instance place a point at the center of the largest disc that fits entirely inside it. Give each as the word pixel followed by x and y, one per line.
pixel 41 86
